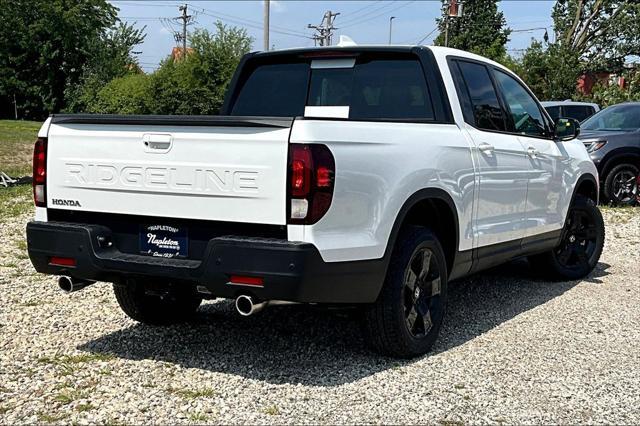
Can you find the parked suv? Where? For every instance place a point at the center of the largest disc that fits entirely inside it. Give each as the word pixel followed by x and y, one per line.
pixel 369 176
pixel 612 138
pixel 568 109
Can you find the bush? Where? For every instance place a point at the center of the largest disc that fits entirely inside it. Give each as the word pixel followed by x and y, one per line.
pixel 124 95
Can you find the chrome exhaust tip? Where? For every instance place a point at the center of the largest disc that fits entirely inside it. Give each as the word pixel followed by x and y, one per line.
pixel 70 284
pixel 246 306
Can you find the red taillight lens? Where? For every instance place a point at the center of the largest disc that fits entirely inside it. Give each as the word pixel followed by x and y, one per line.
pixel 62 261
pixel 311 181
pixel 40 172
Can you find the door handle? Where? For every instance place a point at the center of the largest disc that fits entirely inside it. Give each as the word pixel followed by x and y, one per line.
pixel 486 148
pixel 154 142
pixel 532 152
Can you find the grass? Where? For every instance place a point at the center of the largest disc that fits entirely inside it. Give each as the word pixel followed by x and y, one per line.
pixel 15 201
pixel 272 410
pixel 198 417
pixel 16 146
pixel 51 418
pixel 81 408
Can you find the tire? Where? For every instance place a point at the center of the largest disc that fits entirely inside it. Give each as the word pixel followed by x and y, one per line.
pixel 405 320
pixel 621 185
pixel 580 245
pixel 164 306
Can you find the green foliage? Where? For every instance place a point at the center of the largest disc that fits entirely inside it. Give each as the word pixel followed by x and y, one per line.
pixel 601 32
pixel 111 57
pixel 44 46
pixel 611 94
pixel 193 85
pixel 481 29
pixel 130 94
pixel 197 84
pixel 552 72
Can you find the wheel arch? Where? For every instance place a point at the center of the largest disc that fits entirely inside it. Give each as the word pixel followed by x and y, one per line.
pixel 433 208
pixel 586 185
pixel 619 156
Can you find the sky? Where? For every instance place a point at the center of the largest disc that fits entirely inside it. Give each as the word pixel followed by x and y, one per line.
pixel 365 21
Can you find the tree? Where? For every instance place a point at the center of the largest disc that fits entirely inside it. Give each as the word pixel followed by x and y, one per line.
pixel 197 83
pixel 44 45
pixel 481 29
pixel 110 57
pixel 551 72
pixel 130 94
pixel 601 32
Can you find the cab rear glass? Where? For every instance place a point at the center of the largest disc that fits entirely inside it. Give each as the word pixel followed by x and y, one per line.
pixel 373 89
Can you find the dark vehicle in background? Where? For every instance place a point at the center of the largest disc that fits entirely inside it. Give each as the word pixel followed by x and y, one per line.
pixel 568 109
pixel 612 138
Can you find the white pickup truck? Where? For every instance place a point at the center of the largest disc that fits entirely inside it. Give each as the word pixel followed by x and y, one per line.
pixel 368 176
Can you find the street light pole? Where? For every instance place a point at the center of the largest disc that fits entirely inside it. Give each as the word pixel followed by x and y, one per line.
pixel 391 27
pixel 265 26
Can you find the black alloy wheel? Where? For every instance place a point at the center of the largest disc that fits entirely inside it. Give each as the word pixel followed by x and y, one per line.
pixel 421 293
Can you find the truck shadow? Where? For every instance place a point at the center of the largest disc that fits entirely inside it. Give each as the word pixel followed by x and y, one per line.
pixel 324 347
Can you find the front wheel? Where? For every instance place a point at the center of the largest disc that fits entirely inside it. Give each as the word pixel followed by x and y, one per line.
pixel 621 185
pixel 580 245
pixel 406 319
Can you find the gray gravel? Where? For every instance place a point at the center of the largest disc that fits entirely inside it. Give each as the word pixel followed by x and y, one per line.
pixel 513 350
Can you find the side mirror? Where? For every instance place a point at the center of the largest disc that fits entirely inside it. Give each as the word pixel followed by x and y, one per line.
pixel 566 129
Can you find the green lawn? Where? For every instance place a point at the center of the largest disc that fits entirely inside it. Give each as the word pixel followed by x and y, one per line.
pixel 16 151
pixel 16 146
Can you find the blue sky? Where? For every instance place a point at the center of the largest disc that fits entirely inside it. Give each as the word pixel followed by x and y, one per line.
pixel 365 21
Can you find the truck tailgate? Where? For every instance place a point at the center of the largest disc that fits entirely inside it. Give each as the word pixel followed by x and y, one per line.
pixel 213 168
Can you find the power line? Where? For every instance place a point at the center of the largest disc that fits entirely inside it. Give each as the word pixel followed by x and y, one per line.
pixel 425 37
pixel 259 27
pixel 379 15
pixel 374 9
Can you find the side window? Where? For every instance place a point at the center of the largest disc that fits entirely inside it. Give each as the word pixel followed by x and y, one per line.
pixel 487 112
pixel 390 89
pixel 554 112
pixel 525 112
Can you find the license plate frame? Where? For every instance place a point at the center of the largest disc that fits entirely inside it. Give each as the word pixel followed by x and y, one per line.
pixel 167 241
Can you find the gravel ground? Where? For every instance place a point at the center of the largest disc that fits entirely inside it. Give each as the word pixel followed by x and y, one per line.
pixel 513 350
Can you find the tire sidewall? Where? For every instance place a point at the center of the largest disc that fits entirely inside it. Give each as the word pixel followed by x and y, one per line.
pixel 413 240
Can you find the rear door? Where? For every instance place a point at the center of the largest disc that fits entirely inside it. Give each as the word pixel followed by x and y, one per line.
pixel 501 160
pixel 216 169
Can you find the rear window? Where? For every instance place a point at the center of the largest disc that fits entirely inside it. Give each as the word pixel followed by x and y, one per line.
pixel 274 90
pixel 554 112
pixel 579 112
pixel 393 89
pixel 487 112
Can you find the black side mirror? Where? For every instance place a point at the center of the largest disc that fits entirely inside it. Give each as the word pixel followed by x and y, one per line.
pixel 566 129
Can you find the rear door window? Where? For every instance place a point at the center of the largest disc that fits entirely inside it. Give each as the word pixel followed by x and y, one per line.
pixel 487 111
pixel 274 90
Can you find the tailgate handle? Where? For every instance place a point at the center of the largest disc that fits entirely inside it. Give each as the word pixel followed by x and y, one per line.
pixel 157 142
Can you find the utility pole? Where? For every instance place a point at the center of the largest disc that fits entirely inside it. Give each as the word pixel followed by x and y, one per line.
pixel 325 29
pixel 391 27
pixel 186 20
pixel 265 34
pixel 451 9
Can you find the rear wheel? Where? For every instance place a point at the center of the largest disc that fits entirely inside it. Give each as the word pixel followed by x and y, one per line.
pixel 621 185
pixel 156 304
pixel 406 318
pixel 580 245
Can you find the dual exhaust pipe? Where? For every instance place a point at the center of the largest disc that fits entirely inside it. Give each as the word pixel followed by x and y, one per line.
pixel 245 305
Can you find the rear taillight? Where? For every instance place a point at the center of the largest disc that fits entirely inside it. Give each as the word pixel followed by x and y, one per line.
pixel 310 184
pixel 40 172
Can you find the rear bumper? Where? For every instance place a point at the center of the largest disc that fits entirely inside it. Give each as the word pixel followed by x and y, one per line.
pixel 292 271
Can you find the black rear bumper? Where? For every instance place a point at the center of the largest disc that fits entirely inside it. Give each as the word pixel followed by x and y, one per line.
pixel 292 271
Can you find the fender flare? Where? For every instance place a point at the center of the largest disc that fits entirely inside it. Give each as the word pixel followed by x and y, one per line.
pixel 584 177
pixel 609 160
pixel 415 198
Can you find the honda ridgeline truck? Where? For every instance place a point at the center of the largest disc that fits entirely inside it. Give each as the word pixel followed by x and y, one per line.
pixel 367 176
